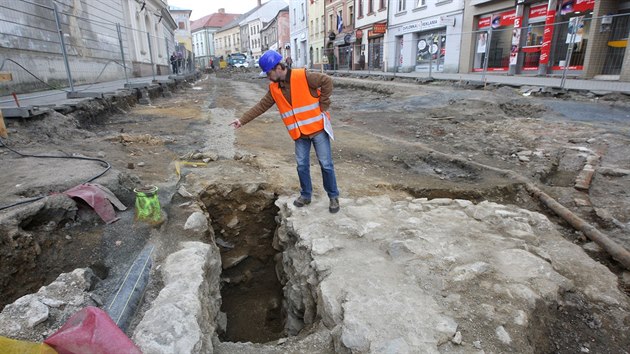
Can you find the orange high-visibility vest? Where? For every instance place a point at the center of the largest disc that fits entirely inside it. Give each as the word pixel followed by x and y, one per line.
pixel 304 116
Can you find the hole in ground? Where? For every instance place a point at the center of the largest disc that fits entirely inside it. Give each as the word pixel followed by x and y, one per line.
pixel 41 247
pixel 243 219
pixel 574 326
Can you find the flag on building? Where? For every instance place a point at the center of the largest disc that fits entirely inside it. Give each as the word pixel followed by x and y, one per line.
pixel 339 23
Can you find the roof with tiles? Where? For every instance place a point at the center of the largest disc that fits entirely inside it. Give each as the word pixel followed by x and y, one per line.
pixel 218 19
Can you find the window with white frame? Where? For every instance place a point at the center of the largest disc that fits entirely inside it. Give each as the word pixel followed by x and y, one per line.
pixel 421 3
pixel 401 5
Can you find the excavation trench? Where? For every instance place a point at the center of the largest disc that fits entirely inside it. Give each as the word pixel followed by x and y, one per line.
pixel 54 238
pixel 243 219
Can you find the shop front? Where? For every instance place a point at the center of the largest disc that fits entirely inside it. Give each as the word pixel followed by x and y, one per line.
pixel 344 45
pixel 572 28
pixel 376 37
pixel 421 45
pixel 618 29
pixel 359 50
pixel 554 39
pixel 494 41
pixel 430 50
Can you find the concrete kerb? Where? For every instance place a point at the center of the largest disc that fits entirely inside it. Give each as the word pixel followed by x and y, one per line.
pixel 574 84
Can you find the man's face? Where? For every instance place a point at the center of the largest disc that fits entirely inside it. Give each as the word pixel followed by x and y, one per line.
pixel 275 74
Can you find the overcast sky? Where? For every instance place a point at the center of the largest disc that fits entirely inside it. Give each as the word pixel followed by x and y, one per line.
pixel 201 8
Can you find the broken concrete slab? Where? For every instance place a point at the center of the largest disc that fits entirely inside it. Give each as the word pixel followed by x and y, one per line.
pixel 34 316
pixel 408 275
pixel 183 317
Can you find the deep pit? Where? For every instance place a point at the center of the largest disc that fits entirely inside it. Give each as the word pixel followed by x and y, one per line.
pixel 243 219
pixel 43 245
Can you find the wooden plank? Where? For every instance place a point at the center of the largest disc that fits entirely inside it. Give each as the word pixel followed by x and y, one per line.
pixel 6 76
pixel 3 129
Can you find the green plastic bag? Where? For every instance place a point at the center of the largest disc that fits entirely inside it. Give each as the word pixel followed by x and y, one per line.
pixel 148 207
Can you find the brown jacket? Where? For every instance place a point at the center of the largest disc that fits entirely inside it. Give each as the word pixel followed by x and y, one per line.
pixel 315 81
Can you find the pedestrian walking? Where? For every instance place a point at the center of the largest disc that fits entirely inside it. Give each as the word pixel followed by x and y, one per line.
pixel 289 62
pixel 303 99
pixel 173 60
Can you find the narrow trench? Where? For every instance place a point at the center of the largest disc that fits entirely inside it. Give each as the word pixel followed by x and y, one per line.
pixel 243 219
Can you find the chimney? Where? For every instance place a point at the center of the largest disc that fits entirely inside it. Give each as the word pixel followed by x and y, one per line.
pixel 259 3
pixel 222 10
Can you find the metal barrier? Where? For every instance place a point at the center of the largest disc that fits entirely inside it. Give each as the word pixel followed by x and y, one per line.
pixel 71 46
pixel 562 55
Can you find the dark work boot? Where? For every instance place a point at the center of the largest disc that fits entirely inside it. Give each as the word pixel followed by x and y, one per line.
pixel 334 205
pixel 301 201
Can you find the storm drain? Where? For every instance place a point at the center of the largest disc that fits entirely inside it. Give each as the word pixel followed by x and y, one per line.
pixel 243 219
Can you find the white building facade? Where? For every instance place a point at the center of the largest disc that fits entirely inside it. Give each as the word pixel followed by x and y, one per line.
pixel 252 25
pixel 298 19
pixel 424 35
pixel 316 33
pixel 150 29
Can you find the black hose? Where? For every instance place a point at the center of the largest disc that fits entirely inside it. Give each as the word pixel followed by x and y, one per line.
pixel 108 166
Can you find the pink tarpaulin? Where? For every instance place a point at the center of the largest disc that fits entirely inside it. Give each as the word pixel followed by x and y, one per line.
pixel 99 198
pixel 92 331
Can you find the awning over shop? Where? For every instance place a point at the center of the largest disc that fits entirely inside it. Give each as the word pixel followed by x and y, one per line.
pixel 345 40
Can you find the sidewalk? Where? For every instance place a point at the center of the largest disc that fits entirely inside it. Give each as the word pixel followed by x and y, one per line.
pixel 516 80
pixel 40 102
pixel 29 104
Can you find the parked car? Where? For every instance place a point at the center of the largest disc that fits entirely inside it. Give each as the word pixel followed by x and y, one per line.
pixel 238 60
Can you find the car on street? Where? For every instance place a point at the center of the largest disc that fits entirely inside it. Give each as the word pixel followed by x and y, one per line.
pixel 238 60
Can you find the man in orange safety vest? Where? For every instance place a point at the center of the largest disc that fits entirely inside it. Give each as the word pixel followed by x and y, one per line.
pixel 303 99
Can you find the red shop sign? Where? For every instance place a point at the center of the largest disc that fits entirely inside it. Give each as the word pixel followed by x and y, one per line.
pixel 483 22
pixel 569 6
pixel 538 11
pixel 379 28
pixel 499 20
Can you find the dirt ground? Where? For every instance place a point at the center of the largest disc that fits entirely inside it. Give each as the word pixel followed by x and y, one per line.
pixel 388 133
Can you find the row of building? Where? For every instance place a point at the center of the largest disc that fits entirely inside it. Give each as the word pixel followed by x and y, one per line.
pixel 46 44
pixel 586 38
pixel 221 34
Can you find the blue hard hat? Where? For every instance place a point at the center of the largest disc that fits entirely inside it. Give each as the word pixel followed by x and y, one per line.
pixel 269 60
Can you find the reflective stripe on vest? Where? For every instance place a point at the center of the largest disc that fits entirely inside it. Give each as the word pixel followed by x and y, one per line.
pixel 303 116
pixel 305 122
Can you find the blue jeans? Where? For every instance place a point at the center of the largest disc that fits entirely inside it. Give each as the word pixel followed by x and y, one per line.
pixel 321 142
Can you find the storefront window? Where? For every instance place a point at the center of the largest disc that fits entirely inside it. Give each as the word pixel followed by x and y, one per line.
pixel 531 50
pixel 534 36
pixel 430 50
pixel 535 33
pixel 375 54
pixel 619 29
pixel 572 30
pixel 345 56
pixel 496 28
